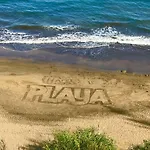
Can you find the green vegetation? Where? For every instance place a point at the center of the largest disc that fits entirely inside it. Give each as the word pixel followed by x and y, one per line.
pixel 144 146
pixel 82 139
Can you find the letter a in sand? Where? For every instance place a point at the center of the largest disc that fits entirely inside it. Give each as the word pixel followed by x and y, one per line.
pixel 99 96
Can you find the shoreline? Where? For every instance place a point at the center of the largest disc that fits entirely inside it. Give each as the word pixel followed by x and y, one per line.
pixel 115 64
pixel 39 98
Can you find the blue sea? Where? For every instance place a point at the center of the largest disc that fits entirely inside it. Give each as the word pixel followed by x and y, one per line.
pixel 97 30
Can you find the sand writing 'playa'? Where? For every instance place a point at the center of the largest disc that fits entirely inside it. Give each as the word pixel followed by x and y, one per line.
pixel 71 95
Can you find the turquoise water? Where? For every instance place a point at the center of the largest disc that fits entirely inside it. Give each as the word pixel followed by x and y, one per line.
pixel 80 27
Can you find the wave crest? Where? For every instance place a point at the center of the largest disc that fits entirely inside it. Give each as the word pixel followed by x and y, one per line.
pixel 96 38
pixel 36 27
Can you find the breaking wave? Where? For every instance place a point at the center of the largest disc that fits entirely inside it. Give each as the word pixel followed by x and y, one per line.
pixel 95 38
pixel 51 27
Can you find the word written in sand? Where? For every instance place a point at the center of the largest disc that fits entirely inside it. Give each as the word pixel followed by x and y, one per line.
pixel 69 95
pixel 59 80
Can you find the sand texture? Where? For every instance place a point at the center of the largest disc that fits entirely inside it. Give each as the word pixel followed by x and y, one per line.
pixel 36 99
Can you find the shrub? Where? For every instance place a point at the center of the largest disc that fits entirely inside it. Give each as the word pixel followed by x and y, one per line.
pixel 144 146
pixel 82 139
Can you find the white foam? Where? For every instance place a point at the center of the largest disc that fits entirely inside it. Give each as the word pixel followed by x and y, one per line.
pixel 7 35
pixel 61 27
pixel 95 39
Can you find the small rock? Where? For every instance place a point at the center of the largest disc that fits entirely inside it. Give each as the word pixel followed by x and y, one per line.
pixel 141 85
pixel 123 71
pixel 146 75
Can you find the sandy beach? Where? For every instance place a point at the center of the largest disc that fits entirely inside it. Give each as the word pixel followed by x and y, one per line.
pixel 37 99
pixel 74 64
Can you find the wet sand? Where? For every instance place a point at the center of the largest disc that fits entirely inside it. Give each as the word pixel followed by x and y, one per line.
pixel 38 98
pixel 138 62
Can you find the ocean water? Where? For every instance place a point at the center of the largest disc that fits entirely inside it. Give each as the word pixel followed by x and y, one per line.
pixel 96 29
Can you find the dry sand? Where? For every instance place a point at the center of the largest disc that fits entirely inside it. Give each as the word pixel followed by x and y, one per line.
pixel 37 99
